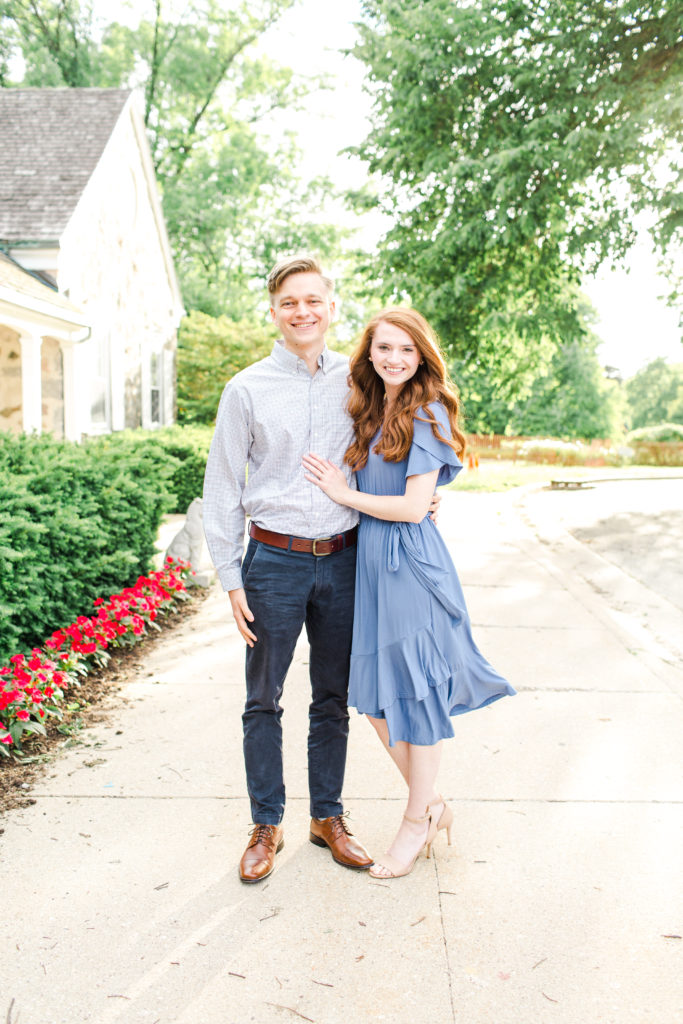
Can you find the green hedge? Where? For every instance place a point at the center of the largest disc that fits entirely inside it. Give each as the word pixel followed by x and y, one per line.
pixel 657 453
pixel 76 522
pixel 664 432
pixel 657 445
pixel 189 446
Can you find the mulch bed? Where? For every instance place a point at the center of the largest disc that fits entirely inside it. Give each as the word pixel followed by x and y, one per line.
pixel 98 696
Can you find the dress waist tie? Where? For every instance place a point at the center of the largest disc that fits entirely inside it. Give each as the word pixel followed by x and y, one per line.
pixel 403 535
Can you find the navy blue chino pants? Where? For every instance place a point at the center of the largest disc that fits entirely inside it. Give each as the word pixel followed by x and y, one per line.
pixel 286 590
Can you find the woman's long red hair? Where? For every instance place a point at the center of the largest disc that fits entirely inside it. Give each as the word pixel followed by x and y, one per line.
pixel 430 383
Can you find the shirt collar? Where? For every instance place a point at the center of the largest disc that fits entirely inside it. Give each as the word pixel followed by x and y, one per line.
pixel 290 362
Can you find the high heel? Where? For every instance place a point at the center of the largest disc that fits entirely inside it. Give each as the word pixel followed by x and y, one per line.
pixel 445 818
pixel 390 863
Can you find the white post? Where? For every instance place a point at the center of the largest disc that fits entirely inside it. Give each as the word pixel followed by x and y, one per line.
pixel 31 383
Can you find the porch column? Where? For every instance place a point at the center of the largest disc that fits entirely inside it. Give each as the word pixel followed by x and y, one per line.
pixel 31 385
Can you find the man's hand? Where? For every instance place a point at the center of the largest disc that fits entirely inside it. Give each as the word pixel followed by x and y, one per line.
pixel 242 614
pixel 434 507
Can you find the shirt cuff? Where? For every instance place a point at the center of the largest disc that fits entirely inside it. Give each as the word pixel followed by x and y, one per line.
pixel 231 579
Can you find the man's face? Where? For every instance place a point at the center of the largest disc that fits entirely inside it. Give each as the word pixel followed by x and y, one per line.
pixel 302 310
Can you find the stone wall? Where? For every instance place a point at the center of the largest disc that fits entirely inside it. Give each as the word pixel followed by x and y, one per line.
pixel 52 375
pixel 10 381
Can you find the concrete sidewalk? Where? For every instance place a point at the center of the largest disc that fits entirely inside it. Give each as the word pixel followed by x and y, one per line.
pixel 560 902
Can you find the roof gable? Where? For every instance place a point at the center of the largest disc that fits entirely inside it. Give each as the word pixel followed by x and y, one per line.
pixel 52 140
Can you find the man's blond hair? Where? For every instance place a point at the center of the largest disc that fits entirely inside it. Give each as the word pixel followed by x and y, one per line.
pixel 295 265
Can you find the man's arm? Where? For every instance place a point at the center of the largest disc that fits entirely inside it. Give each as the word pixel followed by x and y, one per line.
pixel 223 512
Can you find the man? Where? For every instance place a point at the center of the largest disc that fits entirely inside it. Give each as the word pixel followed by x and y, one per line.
pixel 299 567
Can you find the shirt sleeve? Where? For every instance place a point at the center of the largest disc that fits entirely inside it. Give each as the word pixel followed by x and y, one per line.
pixel 224 481
pixel 428 453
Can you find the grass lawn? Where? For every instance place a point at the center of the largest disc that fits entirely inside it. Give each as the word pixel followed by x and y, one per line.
pixel 494 475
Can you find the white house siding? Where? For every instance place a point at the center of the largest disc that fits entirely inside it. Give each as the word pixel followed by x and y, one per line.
pixel 113 265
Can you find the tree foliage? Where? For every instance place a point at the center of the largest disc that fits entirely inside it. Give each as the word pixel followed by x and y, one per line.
pixel 55 39
pixel 573 399
pixel 565 393
pixel 232 199
pixel 210 351
pixel 515 141
pixel 655 394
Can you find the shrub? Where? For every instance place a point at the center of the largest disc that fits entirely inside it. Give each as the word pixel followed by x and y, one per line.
pixel 657 453
pixel 211 350
pixel 76 521
pixel 658 445
pixel 188 446
pixel 543 450
pixel 659 432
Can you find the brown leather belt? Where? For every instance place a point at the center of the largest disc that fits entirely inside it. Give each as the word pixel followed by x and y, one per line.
pixel 320 546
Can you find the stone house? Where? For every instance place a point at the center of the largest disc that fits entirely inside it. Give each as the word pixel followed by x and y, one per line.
pixel 89 299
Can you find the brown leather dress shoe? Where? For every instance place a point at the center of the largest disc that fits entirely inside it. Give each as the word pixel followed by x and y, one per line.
pixel 346 850
pixel 258 860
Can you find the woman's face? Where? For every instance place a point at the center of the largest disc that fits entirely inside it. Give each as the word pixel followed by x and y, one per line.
pixel 394 356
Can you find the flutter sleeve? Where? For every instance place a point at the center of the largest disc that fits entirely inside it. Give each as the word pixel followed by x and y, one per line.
pixel 428 453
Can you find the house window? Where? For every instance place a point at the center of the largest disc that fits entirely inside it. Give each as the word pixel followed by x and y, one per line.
pixel 155 379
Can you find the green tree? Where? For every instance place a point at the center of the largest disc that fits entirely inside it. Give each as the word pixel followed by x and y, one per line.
pixel 514 143
pixel 55 38
pixel 231 199
pixel 210 351
pixel 558 390
pixel 655 394
pixel 573 399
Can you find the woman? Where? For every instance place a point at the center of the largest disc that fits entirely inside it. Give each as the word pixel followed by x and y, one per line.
pixel 414 663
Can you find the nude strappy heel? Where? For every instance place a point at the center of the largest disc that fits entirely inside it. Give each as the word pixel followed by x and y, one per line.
pixel 390 863
pixel 445 818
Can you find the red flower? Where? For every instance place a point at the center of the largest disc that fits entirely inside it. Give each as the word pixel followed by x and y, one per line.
pixel 8 697
pixel 23 715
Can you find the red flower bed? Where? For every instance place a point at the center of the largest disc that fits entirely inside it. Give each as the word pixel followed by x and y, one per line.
pixel 32 685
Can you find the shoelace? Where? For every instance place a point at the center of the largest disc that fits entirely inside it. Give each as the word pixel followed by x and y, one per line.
pixel 339 826
pixel 262 834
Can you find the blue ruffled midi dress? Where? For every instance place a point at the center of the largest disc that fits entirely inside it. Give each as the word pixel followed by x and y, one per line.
pixel 413 660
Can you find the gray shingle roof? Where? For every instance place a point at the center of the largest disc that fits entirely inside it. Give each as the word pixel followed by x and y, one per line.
pixel 50 143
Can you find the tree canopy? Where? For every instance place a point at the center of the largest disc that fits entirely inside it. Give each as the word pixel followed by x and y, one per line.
pixel 227 191
pixel 569 394
pixel 655 394
pixel 211 350
pixel 515 141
